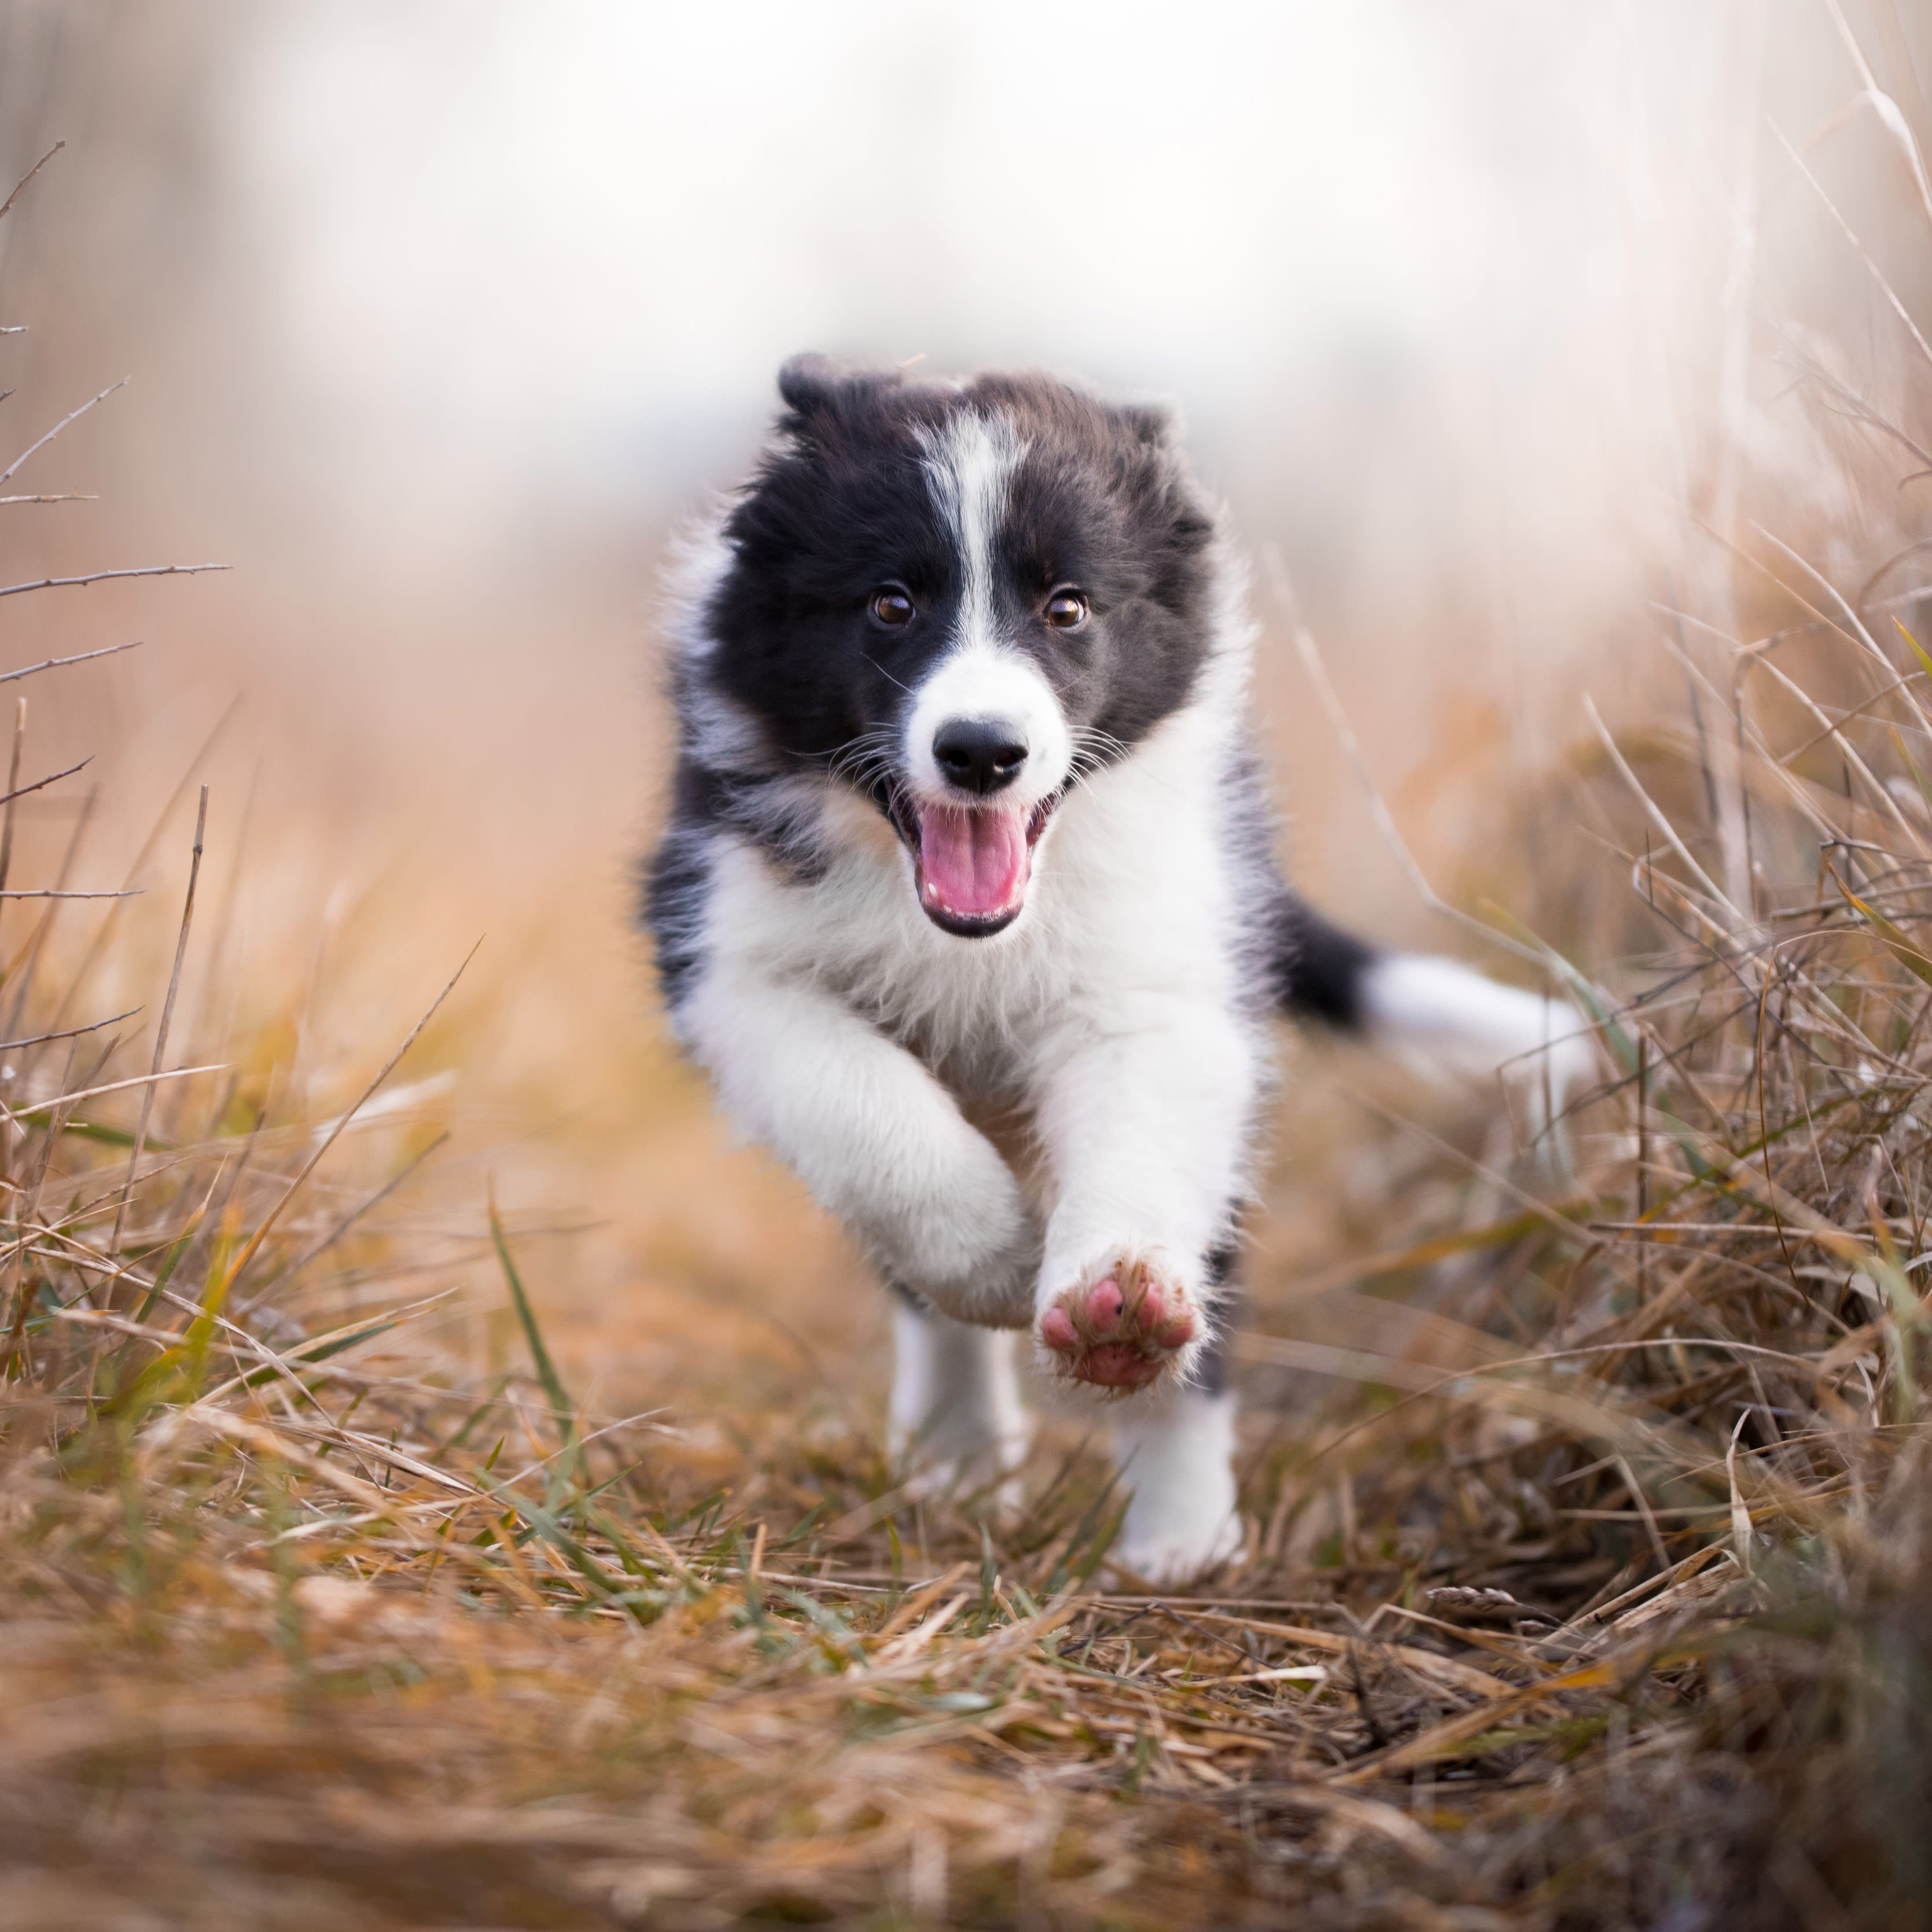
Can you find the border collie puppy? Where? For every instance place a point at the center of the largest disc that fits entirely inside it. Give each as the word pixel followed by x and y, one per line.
pixel 968 902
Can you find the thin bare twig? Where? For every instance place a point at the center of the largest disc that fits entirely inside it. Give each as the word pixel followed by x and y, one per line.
pixel 66 1033
pixel 7 206
pixel 69 896
pixel 56 663
pixel 102 576
pixel 41 784
pixel 73 416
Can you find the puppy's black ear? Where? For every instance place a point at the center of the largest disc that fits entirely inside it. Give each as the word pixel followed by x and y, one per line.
pixel 812 385
pixel 1156 424
pixel 807 382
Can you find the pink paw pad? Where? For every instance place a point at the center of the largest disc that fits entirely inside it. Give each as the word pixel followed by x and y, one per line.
pixel 1121 1332
pixel 1056 1331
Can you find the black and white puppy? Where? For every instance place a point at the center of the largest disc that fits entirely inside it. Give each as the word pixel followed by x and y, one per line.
pixel 968 901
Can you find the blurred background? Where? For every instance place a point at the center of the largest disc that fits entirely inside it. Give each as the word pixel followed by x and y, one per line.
pixel 438 320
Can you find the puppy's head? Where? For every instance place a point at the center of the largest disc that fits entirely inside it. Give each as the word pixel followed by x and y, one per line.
pixel 956 600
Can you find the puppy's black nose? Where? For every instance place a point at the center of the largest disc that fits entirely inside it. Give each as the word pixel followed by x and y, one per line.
pixel 981 756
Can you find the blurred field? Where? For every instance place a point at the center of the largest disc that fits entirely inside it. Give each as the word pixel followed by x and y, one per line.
pixel 479 1518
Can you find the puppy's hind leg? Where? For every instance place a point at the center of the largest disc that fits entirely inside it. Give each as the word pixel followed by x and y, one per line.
pixel 1176 1448
pixel 955 1421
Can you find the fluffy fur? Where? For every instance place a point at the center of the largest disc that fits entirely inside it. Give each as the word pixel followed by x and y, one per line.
pixel 968 900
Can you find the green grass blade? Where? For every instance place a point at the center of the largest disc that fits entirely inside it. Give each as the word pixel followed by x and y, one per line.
pixel 562 1410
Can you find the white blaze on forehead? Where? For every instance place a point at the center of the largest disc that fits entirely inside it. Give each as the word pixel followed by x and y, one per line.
pixel 969 466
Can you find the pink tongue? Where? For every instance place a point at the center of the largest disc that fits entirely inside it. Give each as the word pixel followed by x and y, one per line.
pixel 975 863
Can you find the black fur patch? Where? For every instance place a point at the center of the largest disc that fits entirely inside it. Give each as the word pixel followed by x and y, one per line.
pixel 1213 1366
pixel 675 882
pixel 1318 966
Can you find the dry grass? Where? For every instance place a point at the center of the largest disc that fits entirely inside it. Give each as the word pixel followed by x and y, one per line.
pixel 1592 1536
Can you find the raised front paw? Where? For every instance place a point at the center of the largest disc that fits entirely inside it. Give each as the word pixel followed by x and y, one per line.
pixel 1126 1325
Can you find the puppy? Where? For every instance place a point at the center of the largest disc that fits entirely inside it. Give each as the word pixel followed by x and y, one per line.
pixel 968 902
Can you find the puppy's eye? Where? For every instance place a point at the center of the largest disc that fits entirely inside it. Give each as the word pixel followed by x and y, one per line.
pixel 892 607
pixel 1065 611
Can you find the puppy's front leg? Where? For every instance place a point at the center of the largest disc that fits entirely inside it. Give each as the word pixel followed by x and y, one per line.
pixel 1146 1128
pixel 874 1136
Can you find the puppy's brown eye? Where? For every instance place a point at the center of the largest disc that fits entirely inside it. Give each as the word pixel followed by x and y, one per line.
pixel 892 607
pixel 1065 610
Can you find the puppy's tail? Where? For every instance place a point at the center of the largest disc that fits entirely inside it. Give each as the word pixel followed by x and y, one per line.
pixel 1426 1009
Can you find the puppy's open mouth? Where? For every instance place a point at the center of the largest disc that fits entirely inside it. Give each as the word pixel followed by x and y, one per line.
pixel 971 864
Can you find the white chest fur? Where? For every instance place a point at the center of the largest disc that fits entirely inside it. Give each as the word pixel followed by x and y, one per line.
pixel 1132 908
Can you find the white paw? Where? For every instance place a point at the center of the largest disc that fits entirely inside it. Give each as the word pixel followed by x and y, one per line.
pixel 1178 1554
pixel 1176 1456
